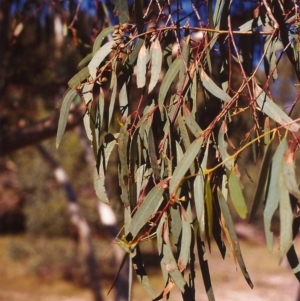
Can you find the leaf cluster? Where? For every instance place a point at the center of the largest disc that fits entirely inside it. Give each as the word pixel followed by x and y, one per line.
pixel 177 172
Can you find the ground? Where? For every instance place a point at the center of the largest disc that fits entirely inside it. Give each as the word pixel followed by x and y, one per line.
pixel 271 281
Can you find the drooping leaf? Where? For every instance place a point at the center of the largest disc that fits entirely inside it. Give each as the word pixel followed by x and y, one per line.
pixel 141 65
pixel 289 174
pixel 286 218
pixel 156 63
pixel 208 197
pixel 204 267
pixel 99 175
pixel 167 81
pixel 64 113
pixel 186 238
pixel 211 87
pixel 184 164
pixel 149 206
pixel 99 57
pixel 236 194
pixel 137 263
pixel 168 260
pixel 234 240
pixel 273 111
pixel 222 144
pixel 273 193
pixel 85 60
pixel 79 78
pixel 152 156
pixel 101 37
pixel 262 179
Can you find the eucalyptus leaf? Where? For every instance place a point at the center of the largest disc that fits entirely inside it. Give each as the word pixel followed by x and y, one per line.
pixel 156 64
pixel 64 113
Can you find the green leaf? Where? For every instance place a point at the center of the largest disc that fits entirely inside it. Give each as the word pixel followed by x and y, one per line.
pixel 184 164
pixel 253 24
pixel 101 37
pixel 168 260
pixel 149 206
pixel 123 100
pixel 234 240
pixel 137 263
pixel 273 193
pixel 123 141
pixel 222 144
pixel 121 10
pixel 273 111
pixel 99 57
pixel 236 194
pixel 156 63
pixel 113 89
pixel 208 198
pixel 64 113
pixel 152 156
pixel 79 77
pixel 286 218
pixel 211 87
pixel 289 174
pixel 167 81
pixel 141 66
pixel 186 238
pixel 191 123
pixel 99 175
pixel 85 60
pixel 262 179
pixel 204 267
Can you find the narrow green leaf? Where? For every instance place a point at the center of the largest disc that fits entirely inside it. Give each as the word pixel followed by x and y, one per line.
pixel 113 89
pixel 208 198
pixel 204 267
pixel 168 260
pixel 185 47
pixel 87 96
pixel 99 57
pixel 234 240
pixel 286 218
pixel 152 156
pixel 79 77
pixel 273 111
pixel 184 164
pixel 289 174
pixel 149 206
pixel 176 224
pixel 85 60
pixel 137 263
pixel 141 65
pixel 99 176
pixel 191 123
pixel 123 100
pixel 211 87
pixel 222 144
pixel 101 37
pixel 121 10
pixel 186 238
pixel 123 141
pixel 236 194
pixel 156 63
pixel 262 180
pixel 167 81
pixel 253 24
pixel 64 113
pixel 273 193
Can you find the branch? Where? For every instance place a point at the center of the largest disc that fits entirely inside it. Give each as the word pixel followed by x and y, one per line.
pixel 34 133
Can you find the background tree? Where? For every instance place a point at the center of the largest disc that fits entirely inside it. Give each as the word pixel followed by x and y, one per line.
pixel 195 81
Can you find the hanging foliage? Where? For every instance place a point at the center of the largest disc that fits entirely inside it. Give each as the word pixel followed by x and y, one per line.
pixel 148 91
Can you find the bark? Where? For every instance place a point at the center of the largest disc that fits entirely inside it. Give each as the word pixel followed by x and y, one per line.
pixel 34 133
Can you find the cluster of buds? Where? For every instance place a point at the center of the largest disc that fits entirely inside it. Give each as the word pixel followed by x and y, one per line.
pixel 120 34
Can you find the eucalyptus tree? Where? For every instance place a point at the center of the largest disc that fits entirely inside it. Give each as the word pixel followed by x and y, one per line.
pixel 173 88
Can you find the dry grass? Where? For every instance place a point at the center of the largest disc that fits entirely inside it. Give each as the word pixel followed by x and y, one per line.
pixel 272 282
